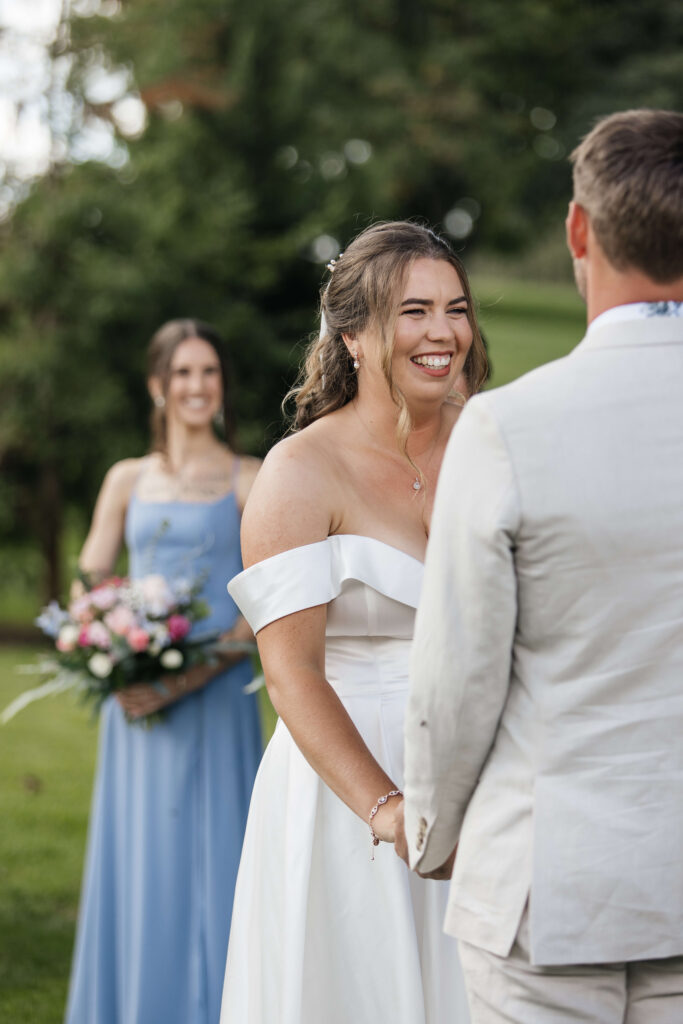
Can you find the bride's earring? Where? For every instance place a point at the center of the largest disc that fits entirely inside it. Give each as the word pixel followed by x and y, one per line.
pixel 159 401
pixel 356 360
pixel 457 397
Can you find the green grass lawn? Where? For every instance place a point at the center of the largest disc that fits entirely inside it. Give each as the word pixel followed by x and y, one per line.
pixel 527 324
pixel 47 758
pixel 46 764
pixel 47 753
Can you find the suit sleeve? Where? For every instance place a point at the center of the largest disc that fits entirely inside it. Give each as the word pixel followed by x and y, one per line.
pixel 461 657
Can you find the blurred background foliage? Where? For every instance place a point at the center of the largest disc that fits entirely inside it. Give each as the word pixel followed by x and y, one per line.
pixel 250 141
pixel 244 144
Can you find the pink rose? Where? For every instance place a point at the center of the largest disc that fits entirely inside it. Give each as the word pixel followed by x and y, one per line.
pixel 81 610
pixel 138 640
pixel 178 627
pixel 104 597
pixel 95 634
pixel 156 595
pixel 120 620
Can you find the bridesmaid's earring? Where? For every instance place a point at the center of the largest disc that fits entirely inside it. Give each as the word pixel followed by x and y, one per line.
pixel 159 401
pixel 356 361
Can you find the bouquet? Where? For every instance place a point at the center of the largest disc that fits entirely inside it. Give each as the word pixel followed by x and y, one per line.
pixel 120 632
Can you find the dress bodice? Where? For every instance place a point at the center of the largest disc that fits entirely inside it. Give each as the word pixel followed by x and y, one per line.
pixel 371 590
pixel 190 541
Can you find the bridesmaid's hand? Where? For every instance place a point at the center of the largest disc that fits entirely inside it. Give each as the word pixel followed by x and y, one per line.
pixel 142 699
pixel 240 633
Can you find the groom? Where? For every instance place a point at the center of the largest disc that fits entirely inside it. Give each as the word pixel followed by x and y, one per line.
pixel 545 725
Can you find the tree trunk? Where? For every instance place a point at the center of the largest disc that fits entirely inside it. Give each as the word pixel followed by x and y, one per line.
pixel 51 524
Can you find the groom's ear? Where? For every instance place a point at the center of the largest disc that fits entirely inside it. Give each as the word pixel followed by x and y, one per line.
pixel 577 230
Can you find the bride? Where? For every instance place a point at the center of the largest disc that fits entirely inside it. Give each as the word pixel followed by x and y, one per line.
pixel 334 536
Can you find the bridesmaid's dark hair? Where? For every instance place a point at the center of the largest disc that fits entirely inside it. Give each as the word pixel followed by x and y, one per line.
pixel 160 354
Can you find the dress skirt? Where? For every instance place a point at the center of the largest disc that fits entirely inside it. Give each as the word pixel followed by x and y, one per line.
pixel 169 809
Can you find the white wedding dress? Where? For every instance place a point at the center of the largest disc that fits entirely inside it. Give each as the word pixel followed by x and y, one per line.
pixel 321 934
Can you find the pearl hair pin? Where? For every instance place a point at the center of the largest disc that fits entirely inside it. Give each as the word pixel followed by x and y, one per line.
pixel 333 263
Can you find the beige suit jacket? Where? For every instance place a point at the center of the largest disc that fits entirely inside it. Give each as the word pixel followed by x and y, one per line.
pixel 545 724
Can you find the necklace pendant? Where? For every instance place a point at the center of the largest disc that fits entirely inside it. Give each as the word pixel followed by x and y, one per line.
pixel 417 486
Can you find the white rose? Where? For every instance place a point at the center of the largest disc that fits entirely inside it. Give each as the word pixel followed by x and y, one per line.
pixel 100 665
pixel 68 636
pixel 171 658
pixel 159 634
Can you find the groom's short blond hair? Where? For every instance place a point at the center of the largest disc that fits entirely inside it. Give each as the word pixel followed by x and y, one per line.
pixel 628 177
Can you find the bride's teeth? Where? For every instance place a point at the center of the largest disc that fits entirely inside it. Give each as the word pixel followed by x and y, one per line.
pixel 433 361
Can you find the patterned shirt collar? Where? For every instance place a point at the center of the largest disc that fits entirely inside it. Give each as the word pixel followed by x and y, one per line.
pixel 636 311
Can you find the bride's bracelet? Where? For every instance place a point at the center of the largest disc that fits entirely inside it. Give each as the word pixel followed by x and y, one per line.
pixel 374 838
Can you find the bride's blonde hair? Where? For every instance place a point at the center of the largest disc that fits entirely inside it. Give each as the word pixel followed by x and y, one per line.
pixel 364 291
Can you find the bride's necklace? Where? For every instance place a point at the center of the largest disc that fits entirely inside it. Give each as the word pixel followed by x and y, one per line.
pixel 417 482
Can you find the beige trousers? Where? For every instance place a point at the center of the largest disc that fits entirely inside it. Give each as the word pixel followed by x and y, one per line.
pixel 509 990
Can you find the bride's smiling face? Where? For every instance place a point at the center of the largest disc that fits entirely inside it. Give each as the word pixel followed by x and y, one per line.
pixel 432 335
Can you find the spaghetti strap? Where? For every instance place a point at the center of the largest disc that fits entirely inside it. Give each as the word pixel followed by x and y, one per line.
pixel 145 460
pixel 234 472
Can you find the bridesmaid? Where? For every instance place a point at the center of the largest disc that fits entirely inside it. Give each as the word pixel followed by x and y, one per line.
pixel 170 802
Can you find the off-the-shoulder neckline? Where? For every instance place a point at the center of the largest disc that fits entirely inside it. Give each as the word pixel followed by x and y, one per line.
pixel 375 540
pixel 310 574
pixel 340 536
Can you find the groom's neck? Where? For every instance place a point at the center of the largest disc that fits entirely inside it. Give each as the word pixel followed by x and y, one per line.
pixel 607 287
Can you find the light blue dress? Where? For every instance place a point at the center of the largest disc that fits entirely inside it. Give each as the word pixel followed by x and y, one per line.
pixel 169 808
